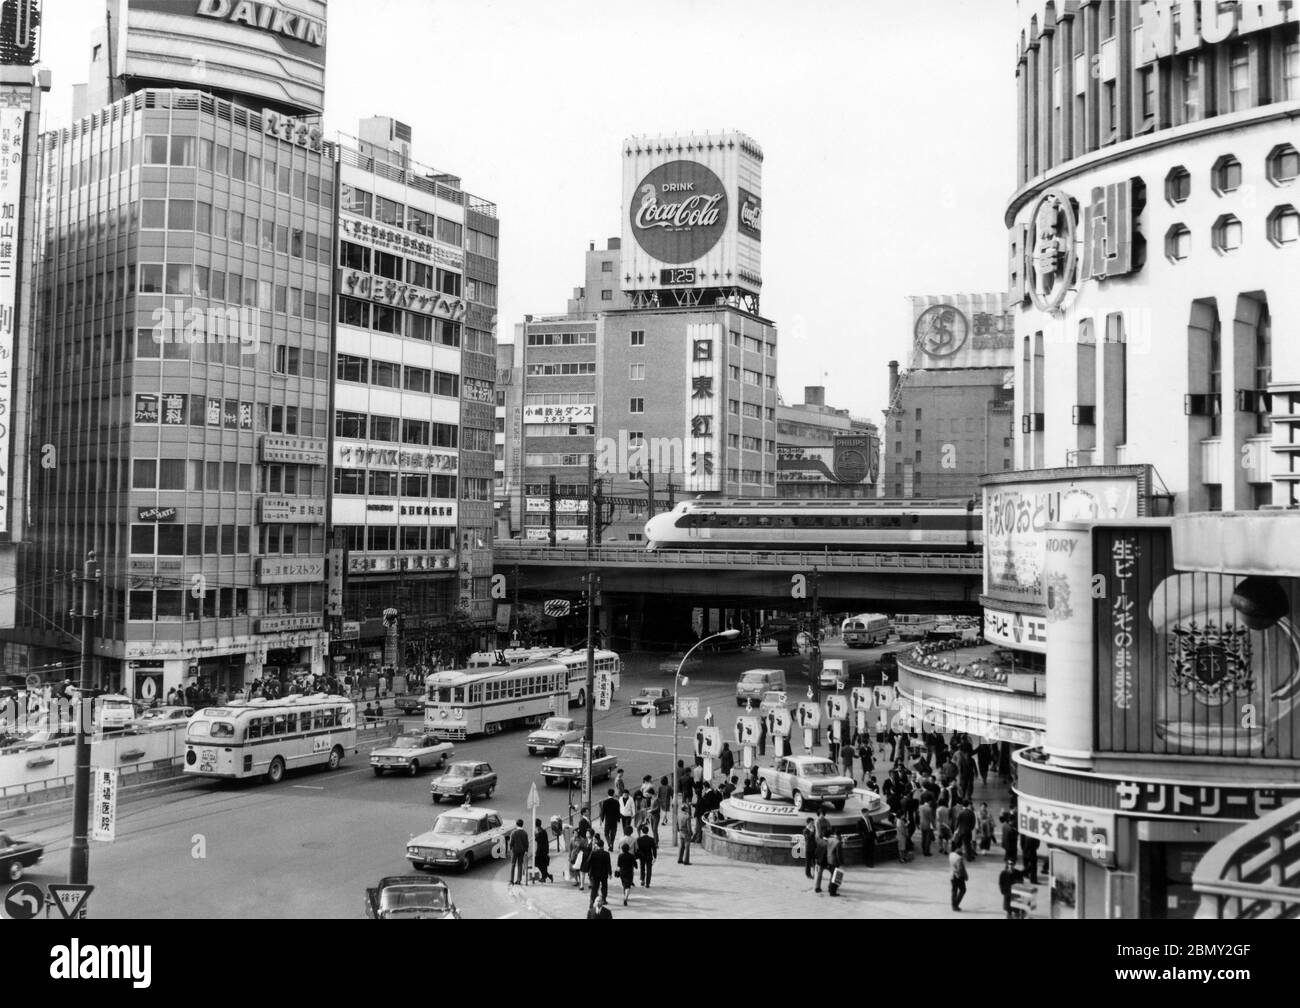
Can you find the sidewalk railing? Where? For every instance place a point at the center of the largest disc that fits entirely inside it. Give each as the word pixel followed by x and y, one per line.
pixel 1253 872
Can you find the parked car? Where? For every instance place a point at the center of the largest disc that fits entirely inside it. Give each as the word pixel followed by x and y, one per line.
pixel 460 838
pixel 658 699
pixel 553 735
pixel 568 765
pixel 161 717
pixel 693 664
pixel 464 779
pixel 411 753
pixel 805 779
pixel 410 897
pixel 410 703
pixel 17 855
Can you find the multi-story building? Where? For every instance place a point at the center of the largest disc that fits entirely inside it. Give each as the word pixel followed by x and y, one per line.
pixel 949 418
pixel 414 399
pixel 184 280
pixel 1153 240
pixel 823 452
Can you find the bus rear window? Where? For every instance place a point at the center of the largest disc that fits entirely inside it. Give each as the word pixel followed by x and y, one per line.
pixel 223 729
pixel 200 729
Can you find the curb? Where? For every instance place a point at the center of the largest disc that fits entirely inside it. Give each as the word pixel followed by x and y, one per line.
pixel 520 897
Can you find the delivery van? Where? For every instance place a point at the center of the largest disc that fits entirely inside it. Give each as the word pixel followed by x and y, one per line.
pixel 754 683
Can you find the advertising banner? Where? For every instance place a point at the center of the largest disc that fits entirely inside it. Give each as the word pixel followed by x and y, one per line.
pixel 1017 513
pixel 1205 664
pixel 963 331
pixel 585 414
pixel 850 460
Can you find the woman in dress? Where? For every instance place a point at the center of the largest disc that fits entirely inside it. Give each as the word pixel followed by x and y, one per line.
pixel 626 870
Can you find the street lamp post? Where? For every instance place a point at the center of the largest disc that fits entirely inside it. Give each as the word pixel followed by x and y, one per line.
pixel 729 634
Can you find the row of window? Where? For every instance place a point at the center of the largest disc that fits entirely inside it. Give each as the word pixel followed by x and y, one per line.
pixel 751 476
pixel 174 604
pixel 388 374
pixel 1282 227
pixel 752 411
pixel 375 483
pixel 234 288
pixel 356 200
pixel 636 338
pixel 747 443
pixel 224 540
pixel 395 430
pixel 382 538
pixel 235 226
pixel 1282 166
pixel 207 155
pixel 751 377
pixel 181 409
pixel 398 322
pixel 562 368
pixel 291 722
pixel 561 339
pixel 559 399
pixel 393 267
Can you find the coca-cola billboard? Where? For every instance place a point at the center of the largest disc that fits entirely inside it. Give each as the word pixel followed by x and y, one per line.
pixel 749 216
pixel 679 211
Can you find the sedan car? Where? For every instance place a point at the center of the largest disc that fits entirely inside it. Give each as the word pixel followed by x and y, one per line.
pixel 410 753
pixel 806 780
pixel 568 765
pixel 656 699
pixel 16 855
pixel 410 897
pixel 460 838
pixel 669 665
pixel 161 717
pixel 552 736
pixel 772 699
pixel 464 779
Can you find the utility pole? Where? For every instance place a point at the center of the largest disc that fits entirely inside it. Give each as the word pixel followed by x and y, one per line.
pixel 79 856
pixel 815 650
pixel 589 732
pixel 551 481
pixel 651 484
pixel 593 520
pixel 514 611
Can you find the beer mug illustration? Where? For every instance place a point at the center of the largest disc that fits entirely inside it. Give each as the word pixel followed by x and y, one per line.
pixel 1231 661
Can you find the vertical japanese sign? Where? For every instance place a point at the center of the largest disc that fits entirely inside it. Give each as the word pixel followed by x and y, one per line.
pixel 704 461
pixel 105 804
pixel 13 127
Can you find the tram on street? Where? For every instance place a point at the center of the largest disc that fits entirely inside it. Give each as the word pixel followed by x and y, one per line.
pixel 486 701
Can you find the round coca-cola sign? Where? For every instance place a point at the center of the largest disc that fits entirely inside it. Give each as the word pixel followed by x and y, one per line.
pixel 678 211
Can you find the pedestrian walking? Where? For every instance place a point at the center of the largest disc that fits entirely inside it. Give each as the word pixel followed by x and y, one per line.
pixel 663 806
pixel 518 853
pixel 925 819
pixel 1008 877
pixel 959 876
pixel 1010 838
pixel 984 827
pixel 684 835
pixel 598 911
pixel 626 870
pixel 963 830
pixel 599 868
pixel 647 849
pixel 542 852
pixel 610 814
pixel 726 760
pixel 983 759
pixel 847 755
pixel 581 855
pixel 865 755
pixel 829 859
pixel 626 812
pixel 809 847
pixel 762 736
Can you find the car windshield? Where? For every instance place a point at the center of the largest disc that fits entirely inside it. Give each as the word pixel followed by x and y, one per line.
pixel 652 694
pixel 409 742
pixel 154 715
pixel 753 677
pixel 555 724
pixel 818 768
pixel 460 770
pixel 571 752
pixel 408 898
pixel 456 826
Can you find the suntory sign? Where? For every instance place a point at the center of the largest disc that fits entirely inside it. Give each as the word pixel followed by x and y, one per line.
pixel 679 211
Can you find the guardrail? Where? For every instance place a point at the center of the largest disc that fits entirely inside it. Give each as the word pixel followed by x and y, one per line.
pixel 826 560
pixel 1253 872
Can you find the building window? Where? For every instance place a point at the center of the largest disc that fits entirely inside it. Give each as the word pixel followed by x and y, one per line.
pixel 1178 184
pixel 1190 88
pixel 1148 94
pixel 733 406
pixel 607 295
pixel 636 372
pixel 636 405
pixel 1227 233
pixel 607 266
pixel 1291 70
pixel 1178 243
pixel 1215 364
pixel 1261 495
pixel 1238 77
pixel 637 338
pixel 1226 175
pixel 1283 164
pixel 1263 368
pixel 1214 496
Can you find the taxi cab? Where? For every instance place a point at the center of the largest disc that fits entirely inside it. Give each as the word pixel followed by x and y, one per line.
pixel 460 838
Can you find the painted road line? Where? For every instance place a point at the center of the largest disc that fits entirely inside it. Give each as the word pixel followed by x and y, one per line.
pixel 308 787
pixel 647 752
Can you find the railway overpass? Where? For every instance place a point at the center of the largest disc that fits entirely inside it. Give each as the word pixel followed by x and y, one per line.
pixel 640 587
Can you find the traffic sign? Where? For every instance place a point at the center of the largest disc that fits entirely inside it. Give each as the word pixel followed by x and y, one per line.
pixel 70 899
pixel 24 901
pixel 533 799
pixel 556 607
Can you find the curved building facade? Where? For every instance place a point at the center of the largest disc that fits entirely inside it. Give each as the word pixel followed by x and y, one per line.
pixel 1153 247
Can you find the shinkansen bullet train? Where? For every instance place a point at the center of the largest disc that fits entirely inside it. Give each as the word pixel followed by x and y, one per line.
pixel 938 526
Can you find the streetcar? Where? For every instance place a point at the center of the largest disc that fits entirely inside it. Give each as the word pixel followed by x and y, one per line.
pixel 486 701
pixel 933 526
pixel 261 737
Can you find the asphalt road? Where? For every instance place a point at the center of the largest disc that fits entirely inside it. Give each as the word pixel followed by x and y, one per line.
pixel 309 846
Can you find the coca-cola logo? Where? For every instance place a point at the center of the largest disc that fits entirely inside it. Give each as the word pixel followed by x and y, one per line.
pixel 678 211
pixel 751 214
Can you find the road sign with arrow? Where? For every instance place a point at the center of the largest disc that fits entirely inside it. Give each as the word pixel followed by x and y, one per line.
pixel 24 901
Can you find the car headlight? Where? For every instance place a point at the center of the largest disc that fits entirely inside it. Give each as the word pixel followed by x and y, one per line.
pixel 449 853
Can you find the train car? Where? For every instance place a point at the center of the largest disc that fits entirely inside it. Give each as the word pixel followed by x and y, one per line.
pixel 861 525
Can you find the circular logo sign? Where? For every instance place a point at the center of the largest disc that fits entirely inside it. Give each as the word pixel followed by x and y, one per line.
pixel 1052 259
pixel 678 211
pixel 941 330
pixel 24 901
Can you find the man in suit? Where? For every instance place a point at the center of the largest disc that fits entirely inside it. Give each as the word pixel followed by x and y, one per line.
pixel 599 868
pixel 646 852
pixel 809 847
pixel 610 816
pixel 963 836
pixel 518 854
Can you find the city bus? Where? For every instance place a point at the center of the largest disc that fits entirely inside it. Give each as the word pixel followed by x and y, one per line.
pixel 913 627
pixel 486 701
pixel 261 737
pixel 866 630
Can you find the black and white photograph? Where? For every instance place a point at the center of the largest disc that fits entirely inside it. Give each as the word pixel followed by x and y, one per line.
pixel 536 460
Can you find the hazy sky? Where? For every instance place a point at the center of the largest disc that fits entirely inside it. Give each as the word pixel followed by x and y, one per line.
pixel 887 129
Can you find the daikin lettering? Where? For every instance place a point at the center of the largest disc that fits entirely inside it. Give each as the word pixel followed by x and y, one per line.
pixel 267 17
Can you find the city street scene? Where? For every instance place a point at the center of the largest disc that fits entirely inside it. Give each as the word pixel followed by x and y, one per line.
pixel 431 487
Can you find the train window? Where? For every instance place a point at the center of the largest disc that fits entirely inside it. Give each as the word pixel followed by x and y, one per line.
pixel 835 521
pixel 741 521
pixel 784 521
pixel 765 520
pixel 915 519
pixel 860 521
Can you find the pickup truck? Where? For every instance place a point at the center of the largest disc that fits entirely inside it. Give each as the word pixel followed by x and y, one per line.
pixel 568 765
pixel 410 753
pixel 410 897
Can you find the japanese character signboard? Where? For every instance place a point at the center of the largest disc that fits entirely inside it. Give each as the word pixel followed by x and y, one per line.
pixel 703 420
pixel 13 129
pixel 580 414
pixel 604 689
pixel 1088 831
pixel 104 812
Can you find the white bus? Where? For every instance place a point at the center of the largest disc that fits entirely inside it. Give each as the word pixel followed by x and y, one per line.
pixel 266 737
pixel 485 701
pixel 866 630
pixel 913 627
